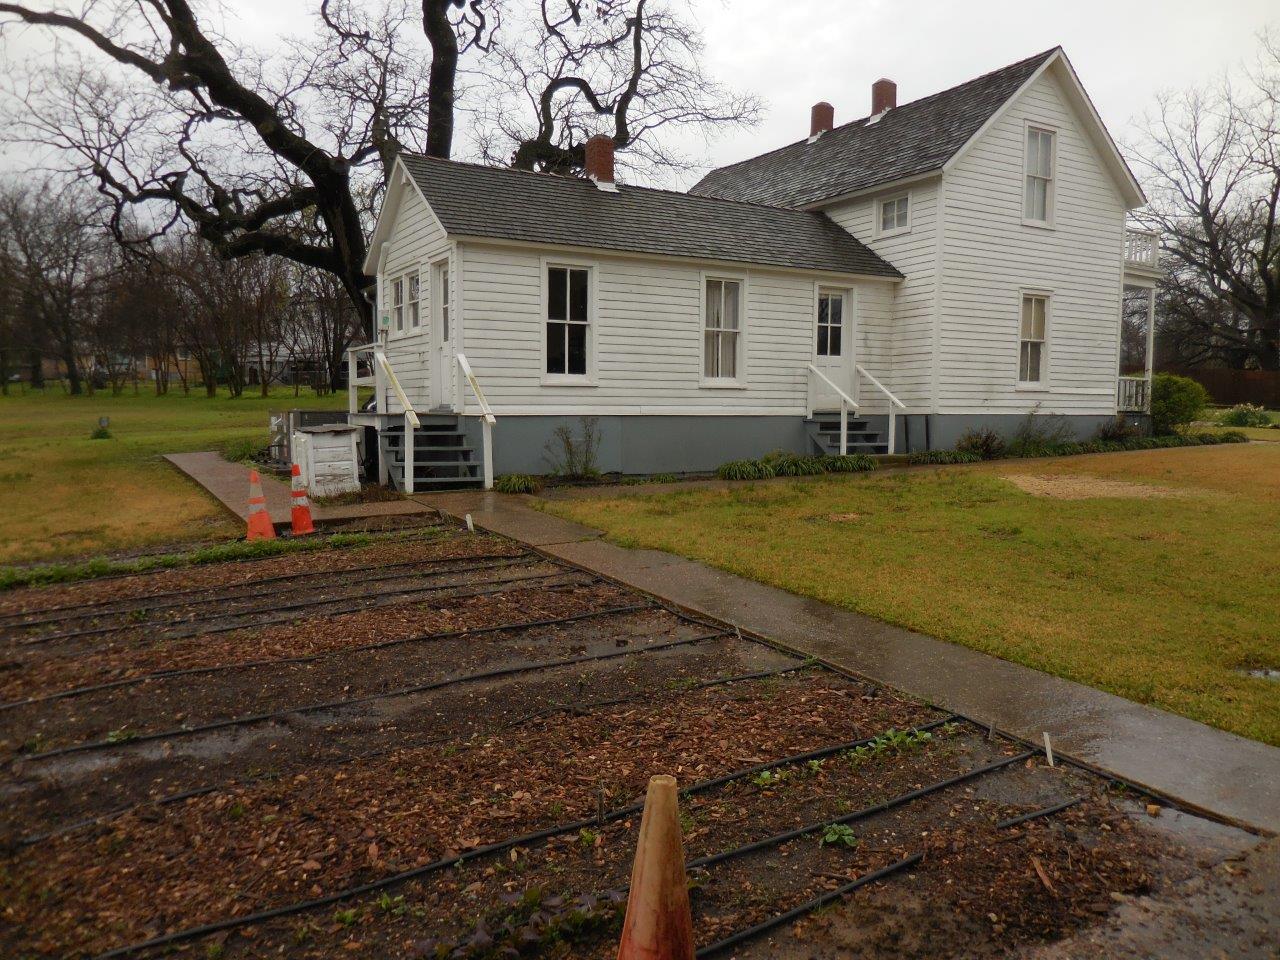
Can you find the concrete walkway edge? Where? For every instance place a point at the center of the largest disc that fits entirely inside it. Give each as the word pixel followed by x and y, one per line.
pixel 1205 769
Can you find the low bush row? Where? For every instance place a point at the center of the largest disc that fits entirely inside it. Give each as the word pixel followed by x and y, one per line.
pixel 944 456
pixel 794 465
pixel 1135 443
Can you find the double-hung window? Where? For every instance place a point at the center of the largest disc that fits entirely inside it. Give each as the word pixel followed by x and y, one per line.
pixel 722 331
pixel 414 296
pixel 895 215
pixel 830 324
pixel 1031 338
pixel 568 311
pixel 1037 201
pixel 442 298
pixel 397 302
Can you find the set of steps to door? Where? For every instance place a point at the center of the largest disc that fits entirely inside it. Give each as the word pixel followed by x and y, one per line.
pixel 866 434
pixel 442 458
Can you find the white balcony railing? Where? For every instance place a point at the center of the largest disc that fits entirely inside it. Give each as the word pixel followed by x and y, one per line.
pixel 1133 395
pixel 1142 248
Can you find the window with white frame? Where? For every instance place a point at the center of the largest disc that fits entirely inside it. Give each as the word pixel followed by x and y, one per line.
pixel 723 329
pixel 895 214
pixel 414 295
pixel 1031 338
pixel 568 309
pixel 442 298
pixel 1037 203
pixel 830 324
pixel 397 302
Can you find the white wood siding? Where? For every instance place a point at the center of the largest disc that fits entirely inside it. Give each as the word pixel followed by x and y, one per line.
pixel 647 335
pixel 896 337
pixel 990 256
pixel 416 240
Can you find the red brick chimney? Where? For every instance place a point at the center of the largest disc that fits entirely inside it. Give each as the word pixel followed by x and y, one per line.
pixel 599 165
pixel 821 119
pixel 884 96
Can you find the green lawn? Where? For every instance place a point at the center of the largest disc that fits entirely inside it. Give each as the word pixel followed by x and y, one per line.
pixel 64 493
pixel 1161 600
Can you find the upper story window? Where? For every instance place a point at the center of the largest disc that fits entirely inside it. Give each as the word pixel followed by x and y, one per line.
pixel 895 215
pixel 1031 338
pixel 722 331
pixel 1037 201
pixel 568 294
pixel 830 324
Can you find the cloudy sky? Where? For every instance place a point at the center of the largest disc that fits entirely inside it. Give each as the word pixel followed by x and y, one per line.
pixel 793 54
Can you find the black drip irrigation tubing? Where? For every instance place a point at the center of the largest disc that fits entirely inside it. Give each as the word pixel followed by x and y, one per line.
pixel 235 591
pixel 368 698
pixel 526 559
pixel 795 913
pixel 830 896
pixel 75 825
pixel 457 860
pixel 1037 814
pixel 310 658
pixel 392 536
pixel 383 600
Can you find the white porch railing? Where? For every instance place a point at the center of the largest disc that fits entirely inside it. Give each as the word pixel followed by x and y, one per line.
pixel 1133 394
pixel 893 402
pixel 487 419
pixel 846 404
pixel 383 372
pixel 1142 248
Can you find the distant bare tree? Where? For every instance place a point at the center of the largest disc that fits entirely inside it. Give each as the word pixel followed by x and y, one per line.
pixel 274 155
pixel 632 69
pixel 1211 164
pixel 55 256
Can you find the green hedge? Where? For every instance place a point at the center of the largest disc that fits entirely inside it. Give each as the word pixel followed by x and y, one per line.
pixel 794 465
pixel 944 456
pixel 1139 443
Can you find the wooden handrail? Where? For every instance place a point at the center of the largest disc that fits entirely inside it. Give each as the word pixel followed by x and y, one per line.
pixel 487 419
pixel 880 386
pixel 485 409
pixel 409 412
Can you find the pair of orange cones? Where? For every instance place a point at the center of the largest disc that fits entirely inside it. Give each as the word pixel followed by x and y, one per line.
pixel 260 525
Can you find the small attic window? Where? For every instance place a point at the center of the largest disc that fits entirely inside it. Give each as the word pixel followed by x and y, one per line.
pixel 894 215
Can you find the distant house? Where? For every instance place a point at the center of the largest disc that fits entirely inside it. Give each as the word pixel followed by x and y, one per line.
pixel 950 263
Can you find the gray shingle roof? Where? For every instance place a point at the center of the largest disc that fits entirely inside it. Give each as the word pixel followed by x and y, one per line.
pixel 496 202
pixel 915 138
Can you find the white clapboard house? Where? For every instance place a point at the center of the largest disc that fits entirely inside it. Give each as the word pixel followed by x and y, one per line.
pixel 957 261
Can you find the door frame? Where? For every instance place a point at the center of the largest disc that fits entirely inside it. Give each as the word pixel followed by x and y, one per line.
pixel 444 333
pixel 845 366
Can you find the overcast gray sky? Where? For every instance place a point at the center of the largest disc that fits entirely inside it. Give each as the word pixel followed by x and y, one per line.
pixel 797 53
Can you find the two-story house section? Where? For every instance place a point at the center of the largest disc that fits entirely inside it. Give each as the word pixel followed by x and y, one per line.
pixel 950 263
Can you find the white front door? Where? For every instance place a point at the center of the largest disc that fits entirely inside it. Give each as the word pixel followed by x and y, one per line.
pixel 442 334
pixel 833 347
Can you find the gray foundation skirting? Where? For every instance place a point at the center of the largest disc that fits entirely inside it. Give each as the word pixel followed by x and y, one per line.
pixel 692 444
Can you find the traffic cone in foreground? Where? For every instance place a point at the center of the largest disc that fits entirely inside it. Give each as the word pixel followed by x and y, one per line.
pixel 658 925
pixel 260 527
pixel 301 505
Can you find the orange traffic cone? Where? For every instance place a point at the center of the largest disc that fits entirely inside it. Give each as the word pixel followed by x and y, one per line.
pixel 658 925
pixel 301 505
pixel 260 527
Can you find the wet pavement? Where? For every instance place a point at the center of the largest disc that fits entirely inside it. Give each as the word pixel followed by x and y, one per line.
pixel 229 484
pixel 1202 768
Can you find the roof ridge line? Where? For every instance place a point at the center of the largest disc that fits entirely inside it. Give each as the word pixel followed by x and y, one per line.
pixel 555 177
pixel 909 103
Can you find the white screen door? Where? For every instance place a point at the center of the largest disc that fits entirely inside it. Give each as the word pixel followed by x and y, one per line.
pixel 442 336
pixel 833 347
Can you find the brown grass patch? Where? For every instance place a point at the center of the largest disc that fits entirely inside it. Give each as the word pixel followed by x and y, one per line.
pixel 1087 487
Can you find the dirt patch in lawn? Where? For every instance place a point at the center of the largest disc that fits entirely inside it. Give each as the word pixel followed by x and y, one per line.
pixel 1086 487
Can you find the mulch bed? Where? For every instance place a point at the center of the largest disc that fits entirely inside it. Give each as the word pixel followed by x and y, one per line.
pixel 320 802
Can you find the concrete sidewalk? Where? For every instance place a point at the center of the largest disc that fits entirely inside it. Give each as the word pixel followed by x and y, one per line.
pixel 229 484
pixel 1203 768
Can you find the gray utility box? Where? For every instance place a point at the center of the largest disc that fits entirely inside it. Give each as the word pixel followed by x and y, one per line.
pixel 328 457
pixel 285 423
